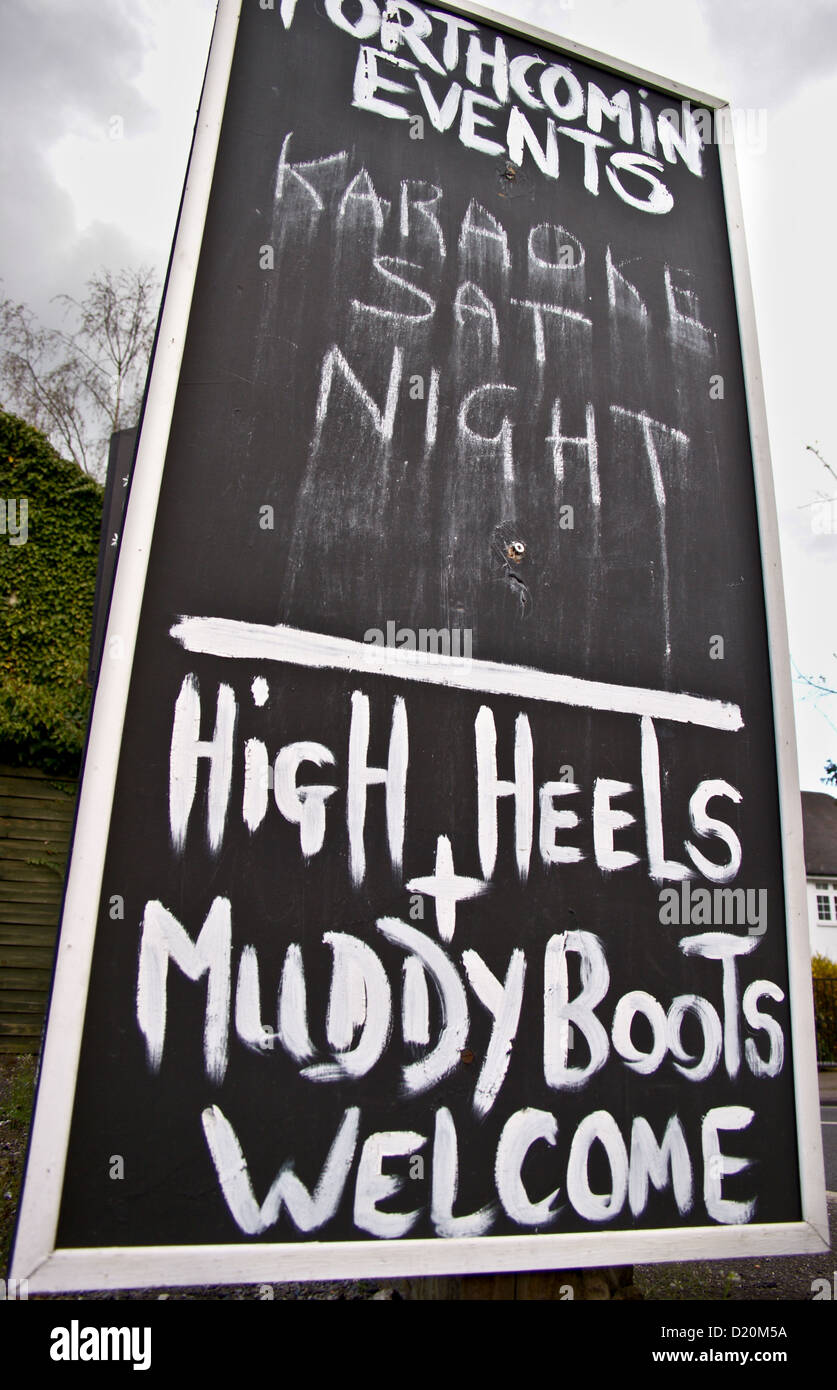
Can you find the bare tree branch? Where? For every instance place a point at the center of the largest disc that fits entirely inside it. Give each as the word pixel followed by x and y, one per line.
pixel 79 383
pixel 823 461
pixel 817 683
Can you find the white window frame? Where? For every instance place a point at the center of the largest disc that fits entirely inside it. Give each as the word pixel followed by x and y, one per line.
pixel 828 891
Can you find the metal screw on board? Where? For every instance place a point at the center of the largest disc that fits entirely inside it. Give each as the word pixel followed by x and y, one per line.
pixel 512 180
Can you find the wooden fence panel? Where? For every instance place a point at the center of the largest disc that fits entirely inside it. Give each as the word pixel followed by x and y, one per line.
pixel 36 820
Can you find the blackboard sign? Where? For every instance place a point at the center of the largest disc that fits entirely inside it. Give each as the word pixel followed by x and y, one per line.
pixel 429 903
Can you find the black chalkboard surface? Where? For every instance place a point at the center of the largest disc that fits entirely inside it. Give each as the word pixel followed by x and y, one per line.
pixel 444 898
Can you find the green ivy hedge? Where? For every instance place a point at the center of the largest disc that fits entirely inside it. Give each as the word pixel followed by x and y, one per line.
pixel 47 587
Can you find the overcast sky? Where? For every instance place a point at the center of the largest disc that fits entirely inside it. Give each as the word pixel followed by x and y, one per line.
pixel 97 103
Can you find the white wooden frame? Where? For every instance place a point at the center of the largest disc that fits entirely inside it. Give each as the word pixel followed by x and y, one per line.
pixel 35 1257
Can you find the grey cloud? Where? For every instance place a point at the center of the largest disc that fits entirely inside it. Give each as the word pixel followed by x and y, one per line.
pixel 772 46
pixel 70 66
pixel 65 66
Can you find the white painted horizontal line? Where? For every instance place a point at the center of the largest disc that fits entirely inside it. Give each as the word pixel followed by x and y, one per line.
pixel 149 1266
pixel 226 637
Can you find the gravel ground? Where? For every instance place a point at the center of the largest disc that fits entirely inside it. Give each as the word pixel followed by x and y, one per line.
pixel 780 1278
pixel 340 1290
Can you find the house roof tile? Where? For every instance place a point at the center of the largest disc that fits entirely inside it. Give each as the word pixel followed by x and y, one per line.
pixel 819 825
